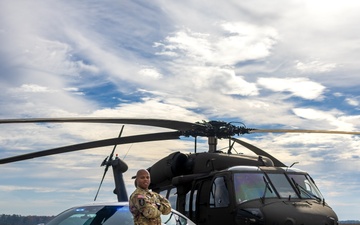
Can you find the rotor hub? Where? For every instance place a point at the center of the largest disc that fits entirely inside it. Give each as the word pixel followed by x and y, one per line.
pixel 218 129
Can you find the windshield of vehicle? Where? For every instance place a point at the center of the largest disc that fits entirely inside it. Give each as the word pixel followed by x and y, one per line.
pixel 107 215
pixel 94 215
pixel 255 185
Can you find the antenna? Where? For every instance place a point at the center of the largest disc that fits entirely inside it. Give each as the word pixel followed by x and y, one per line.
pixel 293 164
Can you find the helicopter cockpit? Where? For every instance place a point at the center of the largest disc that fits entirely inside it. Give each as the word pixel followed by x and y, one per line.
pixel 255 194
pixel 253 183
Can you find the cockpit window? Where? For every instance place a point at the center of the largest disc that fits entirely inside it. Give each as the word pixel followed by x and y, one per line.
pixel 282 185
pixel 305 186
pixel 257 185
pixel 219 196
pixel 250 186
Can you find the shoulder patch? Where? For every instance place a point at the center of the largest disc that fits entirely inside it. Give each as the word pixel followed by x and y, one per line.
pixel 140 196
pixel 141 201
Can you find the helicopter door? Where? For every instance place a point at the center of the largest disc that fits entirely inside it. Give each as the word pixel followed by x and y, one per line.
pixel 214 202
pixel 201 196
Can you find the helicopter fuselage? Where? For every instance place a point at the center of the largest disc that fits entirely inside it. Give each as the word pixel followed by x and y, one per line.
pixel 252 193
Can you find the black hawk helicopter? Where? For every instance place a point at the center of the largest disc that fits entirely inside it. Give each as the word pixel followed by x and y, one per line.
pixel 213 187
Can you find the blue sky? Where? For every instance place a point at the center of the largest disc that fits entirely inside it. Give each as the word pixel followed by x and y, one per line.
pixel 279 64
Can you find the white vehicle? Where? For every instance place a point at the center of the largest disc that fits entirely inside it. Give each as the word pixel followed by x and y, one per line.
pixel 116 213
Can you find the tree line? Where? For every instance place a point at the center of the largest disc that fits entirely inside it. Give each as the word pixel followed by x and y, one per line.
pixel 23 220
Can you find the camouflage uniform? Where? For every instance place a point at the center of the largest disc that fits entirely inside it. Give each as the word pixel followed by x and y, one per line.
pixel 147 206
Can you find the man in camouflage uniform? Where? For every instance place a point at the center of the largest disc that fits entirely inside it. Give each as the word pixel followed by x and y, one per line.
pixel 145 205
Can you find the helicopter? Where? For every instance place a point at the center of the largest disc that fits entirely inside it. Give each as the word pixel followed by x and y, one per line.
pixel 213 187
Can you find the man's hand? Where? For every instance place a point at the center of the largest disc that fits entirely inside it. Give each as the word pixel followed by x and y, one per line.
pixel 158 206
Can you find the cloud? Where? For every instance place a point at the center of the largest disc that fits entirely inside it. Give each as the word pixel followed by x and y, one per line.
pixel 352 101
pixel 315 67
pixel 234 42
pixel 222 80
pixel 150 72
pixel 34 88
pixel 299 87
pixel 335 118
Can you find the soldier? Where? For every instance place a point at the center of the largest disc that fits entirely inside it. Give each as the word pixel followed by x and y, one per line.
pixel 145 205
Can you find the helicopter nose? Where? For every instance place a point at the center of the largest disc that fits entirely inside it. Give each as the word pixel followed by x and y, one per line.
pixel 303 212
pixel 290 221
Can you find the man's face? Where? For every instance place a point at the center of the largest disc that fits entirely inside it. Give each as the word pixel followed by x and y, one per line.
pixel 143 179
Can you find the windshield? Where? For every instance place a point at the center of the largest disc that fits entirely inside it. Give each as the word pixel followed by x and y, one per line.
pixel 282 185
pixel 306 187
pixel 255 185
pixel 108 215
pixel 94 215
pixel 252 186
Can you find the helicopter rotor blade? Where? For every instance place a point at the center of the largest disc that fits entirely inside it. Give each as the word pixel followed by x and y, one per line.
pixel 171 124
pixel 259 151
pixel 102 180
pixel 95 144
pixel 107 164
pixel 219 129
pixel 302 131
pixel 112 152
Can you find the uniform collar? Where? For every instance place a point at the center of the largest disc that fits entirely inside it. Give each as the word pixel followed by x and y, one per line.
pixel 146 190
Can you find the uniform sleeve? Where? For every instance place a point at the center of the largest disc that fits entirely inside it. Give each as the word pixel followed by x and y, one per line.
pixel 132 206
pixel 145 207
pixel 165 206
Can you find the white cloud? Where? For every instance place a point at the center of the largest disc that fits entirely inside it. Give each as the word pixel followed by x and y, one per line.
pixel 334 117
pixel 223 80
pixel 234 42
pixel 34 88
pixel 352 101
pixel 313 114
pixel 150 73
pixel 300 87
pixel 246 41
pixel 190 43
pixel 151 108
pixel 315 67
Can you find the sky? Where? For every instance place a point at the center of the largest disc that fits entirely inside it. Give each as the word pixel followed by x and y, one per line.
pixel 285 64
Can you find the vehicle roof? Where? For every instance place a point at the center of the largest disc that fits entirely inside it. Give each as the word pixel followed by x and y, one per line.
pixel 103 203
pixel 122 204
pixel 114 204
